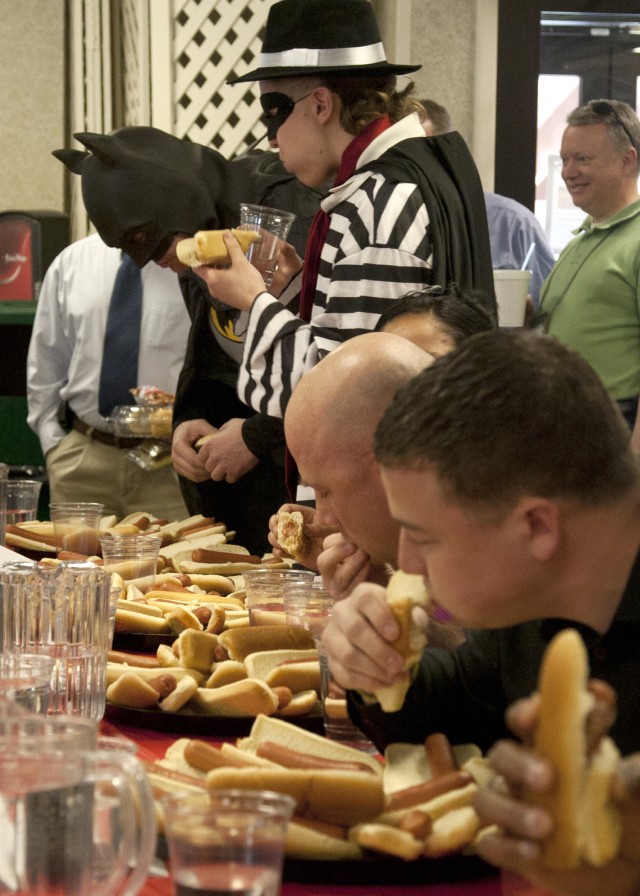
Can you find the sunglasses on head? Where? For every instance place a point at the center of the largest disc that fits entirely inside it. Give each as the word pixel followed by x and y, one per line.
pixel 606 110
pixel 277 107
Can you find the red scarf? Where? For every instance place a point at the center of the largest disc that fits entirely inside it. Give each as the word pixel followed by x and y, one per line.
pixel 315 242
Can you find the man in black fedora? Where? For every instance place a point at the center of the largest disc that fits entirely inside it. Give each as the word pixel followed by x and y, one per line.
pixel 404 211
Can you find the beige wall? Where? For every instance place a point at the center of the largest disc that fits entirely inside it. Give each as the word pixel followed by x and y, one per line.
pixel 443 40
pixel 32 103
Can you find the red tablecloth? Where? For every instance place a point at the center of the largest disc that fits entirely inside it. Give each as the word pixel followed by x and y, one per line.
pixel 153 744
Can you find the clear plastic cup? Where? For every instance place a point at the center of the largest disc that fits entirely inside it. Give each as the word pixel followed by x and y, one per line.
pixel 132 556
pixel 226 841
pixel 22 500
pixel 273 225
pixel 4 472
pixel 76 526
pixel 265 590
pixel 308 605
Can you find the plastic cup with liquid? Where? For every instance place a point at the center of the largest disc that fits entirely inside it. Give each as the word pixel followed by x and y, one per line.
pixel 273 226
pixel 76 526
pixel 226 841
pixel 26 679
pixel 265 590
pixel 22 500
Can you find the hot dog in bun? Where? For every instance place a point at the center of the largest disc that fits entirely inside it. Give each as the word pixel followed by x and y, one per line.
pixel 208 246
pixel 404 592
pixel 290 534
pixel 586 823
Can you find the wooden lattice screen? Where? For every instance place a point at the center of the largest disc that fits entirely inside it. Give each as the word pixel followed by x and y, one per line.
pixel 166 63
pixel 212 41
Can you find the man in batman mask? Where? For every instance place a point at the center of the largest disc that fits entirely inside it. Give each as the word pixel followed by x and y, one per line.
pixel 144 190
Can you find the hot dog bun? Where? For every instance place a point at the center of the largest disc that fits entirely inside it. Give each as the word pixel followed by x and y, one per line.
pixel 240 698
pixel 240 642
pixel 338 797
pixel 290 534
pixel 404 592
pixel 267 729
pixel 208 246
pixel 586 824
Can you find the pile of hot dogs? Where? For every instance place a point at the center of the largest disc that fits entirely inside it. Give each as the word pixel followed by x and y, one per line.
pixel 347 801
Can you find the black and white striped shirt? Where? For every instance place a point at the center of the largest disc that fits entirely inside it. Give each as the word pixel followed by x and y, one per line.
pixel 377 249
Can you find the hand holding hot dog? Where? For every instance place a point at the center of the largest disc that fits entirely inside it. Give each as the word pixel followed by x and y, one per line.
pixel 358 641
pixel 237 285
pixel 314 534
pixel 184 456
pixel 225 455
pixel 522 808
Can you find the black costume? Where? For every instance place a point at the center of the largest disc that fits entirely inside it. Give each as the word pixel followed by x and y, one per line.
pixel 145 181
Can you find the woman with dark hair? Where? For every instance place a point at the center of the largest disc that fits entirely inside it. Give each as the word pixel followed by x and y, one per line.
pixel 437 320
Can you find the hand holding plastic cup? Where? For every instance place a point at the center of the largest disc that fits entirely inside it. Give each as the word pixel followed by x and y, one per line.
pixel 512 288
pixel 22 500
pixel 226 841
pixel 76 526
pixel 273 225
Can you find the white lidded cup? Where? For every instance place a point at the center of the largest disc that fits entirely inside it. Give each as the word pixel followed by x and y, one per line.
pixel 512 289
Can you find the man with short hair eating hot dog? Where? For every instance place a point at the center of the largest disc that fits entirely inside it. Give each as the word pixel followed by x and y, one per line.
pixel 509 471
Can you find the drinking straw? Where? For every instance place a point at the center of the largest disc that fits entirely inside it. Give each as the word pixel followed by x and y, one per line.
pixel 528 257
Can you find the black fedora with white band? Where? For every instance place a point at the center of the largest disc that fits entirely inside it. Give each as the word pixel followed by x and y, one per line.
pixel 309 37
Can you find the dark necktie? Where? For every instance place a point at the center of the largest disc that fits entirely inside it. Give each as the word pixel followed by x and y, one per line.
pixel 119 371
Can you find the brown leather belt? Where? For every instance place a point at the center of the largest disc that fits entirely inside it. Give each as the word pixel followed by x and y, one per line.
pixel 105 438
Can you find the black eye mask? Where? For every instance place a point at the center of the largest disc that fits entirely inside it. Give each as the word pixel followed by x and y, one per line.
pixel 277 107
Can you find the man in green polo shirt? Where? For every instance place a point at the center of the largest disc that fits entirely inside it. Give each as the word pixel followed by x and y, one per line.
pixel 592 295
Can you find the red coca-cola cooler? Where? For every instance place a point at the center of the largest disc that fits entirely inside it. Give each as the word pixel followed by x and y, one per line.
pixel 20 257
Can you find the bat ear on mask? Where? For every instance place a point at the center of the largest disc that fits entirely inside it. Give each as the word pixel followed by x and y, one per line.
pixel 105 147
pixel 72 158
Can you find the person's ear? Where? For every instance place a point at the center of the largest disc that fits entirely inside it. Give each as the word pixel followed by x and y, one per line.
pixel 630 160
pixel 539 523
pixel 325 103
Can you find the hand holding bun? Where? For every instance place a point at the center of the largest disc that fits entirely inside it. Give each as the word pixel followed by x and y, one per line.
pixel 586 823
pixel 290 534
pixel 208 247
pixel 404 593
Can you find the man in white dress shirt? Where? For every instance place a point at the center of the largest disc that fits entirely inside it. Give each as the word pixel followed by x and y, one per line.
pixel 63 366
